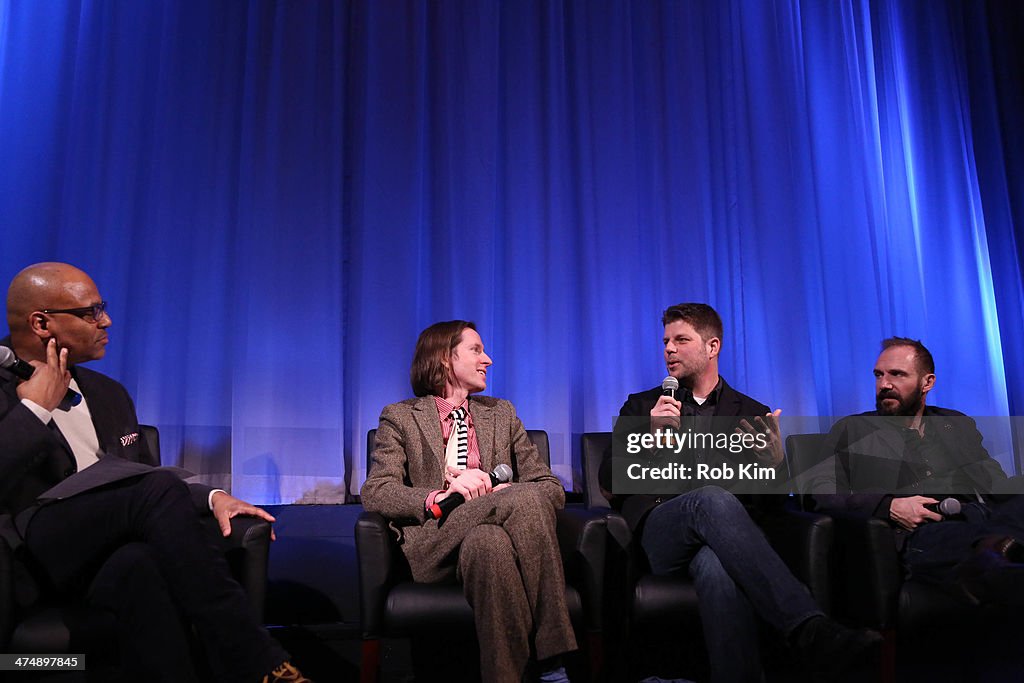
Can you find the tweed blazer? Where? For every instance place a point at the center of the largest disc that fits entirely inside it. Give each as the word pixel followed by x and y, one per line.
pixel 408 461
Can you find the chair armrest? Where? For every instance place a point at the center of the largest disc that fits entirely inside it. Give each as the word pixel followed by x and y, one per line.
pixel 246 533
pixel 619 535
pixel 377 552
pixel 582 536
pixel 6 594
pixel 247 551
pixel 871 573
pixel 804 542
pixel 625 562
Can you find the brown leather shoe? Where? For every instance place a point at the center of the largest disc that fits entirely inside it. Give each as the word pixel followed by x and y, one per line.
pixel 286 673
pixel 1005 546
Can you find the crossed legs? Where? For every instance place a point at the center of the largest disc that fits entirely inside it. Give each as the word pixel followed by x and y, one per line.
pixel 737 574
pixel 75 537
pixel 503 549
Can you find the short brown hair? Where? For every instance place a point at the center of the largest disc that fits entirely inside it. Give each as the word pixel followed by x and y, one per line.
pixel 922 356
pixel 434 347
pixel 702 317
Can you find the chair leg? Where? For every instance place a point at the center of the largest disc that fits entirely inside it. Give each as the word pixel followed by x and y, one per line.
pixel 371 661
pixel 888 673
pixel 595 650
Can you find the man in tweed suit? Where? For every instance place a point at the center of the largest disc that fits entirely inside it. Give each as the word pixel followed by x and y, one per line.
pixel 501 542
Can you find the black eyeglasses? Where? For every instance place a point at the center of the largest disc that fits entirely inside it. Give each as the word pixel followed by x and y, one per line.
pixel 89 314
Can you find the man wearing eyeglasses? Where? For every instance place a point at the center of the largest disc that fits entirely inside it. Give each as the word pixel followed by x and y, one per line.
pixel 79 506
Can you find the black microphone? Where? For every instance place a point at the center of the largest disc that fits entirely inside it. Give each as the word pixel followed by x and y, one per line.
pixel 669 386
pixel 947 507
pixel 23 370
pixel 440 511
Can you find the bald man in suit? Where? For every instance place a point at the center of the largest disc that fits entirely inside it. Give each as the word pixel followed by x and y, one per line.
pixel 90 520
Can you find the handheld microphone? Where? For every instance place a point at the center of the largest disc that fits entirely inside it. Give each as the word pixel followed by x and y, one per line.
pixel 669 386
pixel 947 507
pixel 440 511
pixel 24 371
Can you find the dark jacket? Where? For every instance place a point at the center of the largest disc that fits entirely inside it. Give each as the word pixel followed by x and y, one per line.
pixel 866 464
pixel 634 508
pixel 35 457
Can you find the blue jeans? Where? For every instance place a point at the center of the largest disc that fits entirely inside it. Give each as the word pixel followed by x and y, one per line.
pixel 736 572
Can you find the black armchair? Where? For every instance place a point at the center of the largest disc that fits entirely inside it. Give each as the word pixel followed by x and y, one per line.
pixel 394 606
pixel 49 627
pixel 247 549
pixel 639 601
pixel 871 588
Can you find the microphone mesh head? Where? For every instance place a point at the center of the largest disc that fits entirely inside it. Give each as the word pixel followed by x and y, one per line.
pixel 503 473
pixel 7 357
pixel 670 383
pixel 949 507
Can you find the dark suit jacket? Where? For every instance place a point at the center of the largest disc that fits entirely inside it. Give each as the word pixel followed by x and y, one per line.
pixel 408 461
pixel 634 508
pixel 864 465
pixel 35 457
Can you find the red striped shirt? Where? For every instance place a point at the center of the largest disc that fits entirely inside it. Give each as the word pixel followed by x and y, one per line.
pixel 444 413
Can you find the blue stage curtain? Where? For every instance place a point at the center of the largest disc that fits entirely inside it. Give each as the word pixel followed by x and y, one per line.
pixel 276 197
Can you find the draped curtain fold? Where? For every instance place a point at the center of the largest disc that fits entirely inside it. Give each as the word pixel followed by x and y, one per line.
pixel 276 197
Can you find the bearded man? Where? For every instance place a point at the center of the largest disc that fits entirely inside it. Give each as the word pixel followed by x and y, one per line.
pixel 898 462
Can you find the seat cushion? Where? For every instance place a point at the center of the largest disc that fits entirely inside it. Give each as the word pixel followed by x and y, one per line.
pixel 923 606
pixel 52 630
pixel 667 600
pixel 414 608
pixel 44 631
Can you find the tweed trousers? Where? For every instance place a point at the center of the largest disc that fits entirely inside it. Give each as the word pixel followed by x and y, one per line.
pixel 503 549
